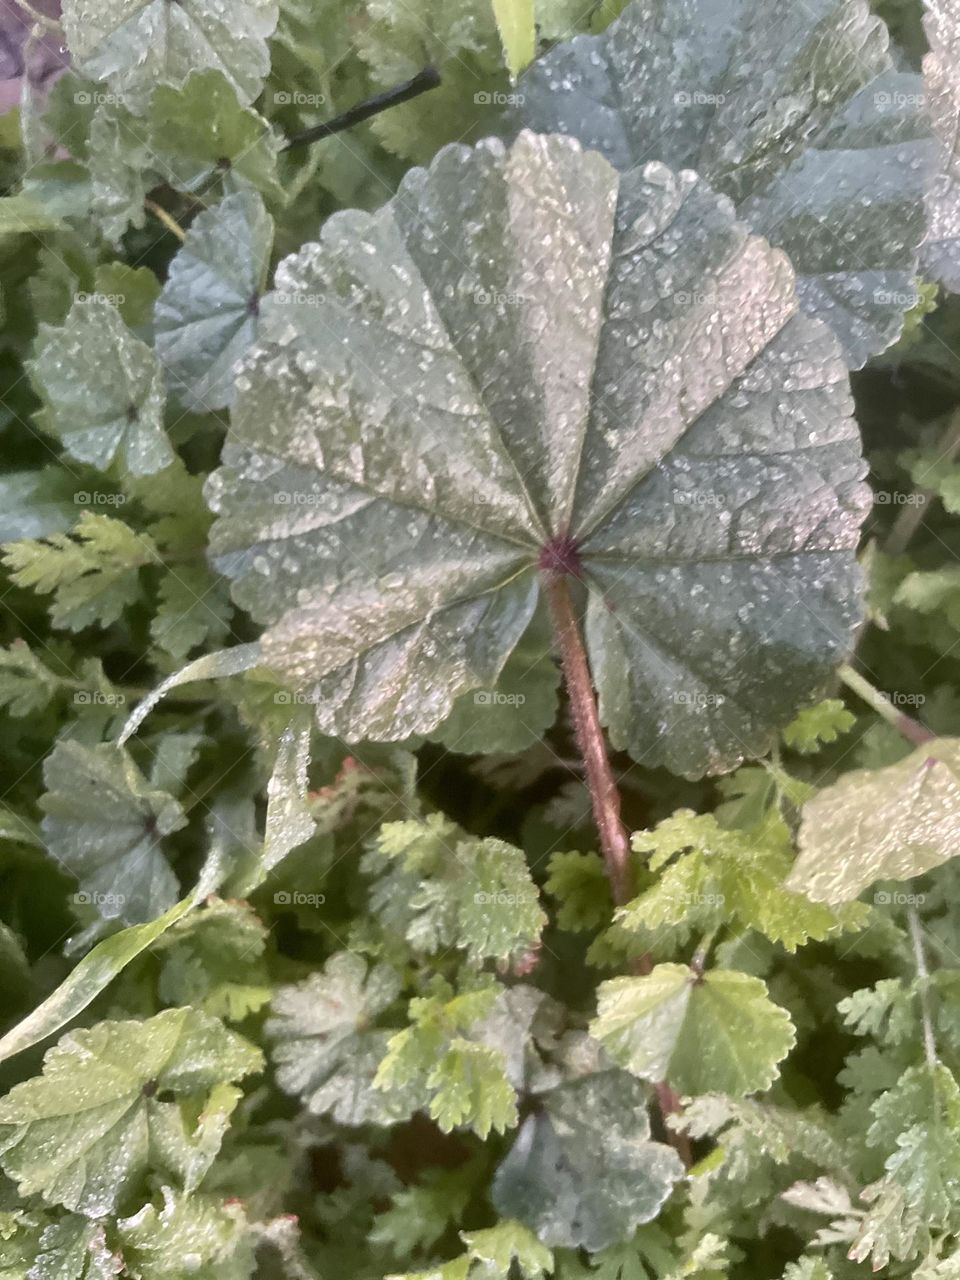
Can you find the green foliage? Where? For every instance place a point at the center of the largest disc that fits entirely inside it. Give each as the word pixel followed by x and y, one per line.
pixel 304 453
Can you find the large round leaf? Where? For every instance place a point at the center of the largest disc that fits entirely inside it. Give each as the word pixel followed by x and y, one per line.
pixel 794 111
pixel 529 358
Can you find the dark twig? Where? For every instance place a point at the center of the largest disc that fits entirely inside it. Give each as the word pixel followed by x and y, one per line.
pixel 428 78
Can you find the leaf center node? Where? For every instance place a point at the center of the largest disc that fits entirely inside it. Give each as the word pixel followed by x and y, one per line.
pixel 561 556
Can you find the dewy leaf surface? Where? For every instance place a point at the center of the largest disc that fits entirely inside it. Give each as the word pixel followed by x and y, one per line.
pixel 609 358
pixel 105 824
pixel 80 1133
pixel 583 1170
pixel 206 315
pixel 138 44
pixel 103 390
pixel 941 75
pixel 880 824
pixel 794 111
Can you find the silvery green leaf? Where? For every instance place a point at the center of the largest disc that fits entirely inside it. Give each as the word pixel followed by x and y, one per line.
pixel 206 315
pixel 103 391
pixel 139 44
pixel 880 824
pixel 93 1121
pixel 326 1051
pixel 794 111
pixel 104 824
pixel 583 1171
pixel 941 74
pixel 615 364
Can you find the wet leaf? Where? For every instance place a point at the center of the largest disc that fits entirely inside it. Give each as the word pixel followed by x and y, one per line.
pixel 794 112
pixel 720 1033
pixel 105 825
pixel 941 74
pixel 139 44
pixel 609 360
pixel 880 824
pixel 206 316
pixel 583 1170
pixel 83 1131
pixel 103 392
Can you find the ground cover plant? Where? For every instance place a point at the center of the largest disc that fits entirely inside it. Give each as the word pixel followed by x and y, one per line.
pixel 480 626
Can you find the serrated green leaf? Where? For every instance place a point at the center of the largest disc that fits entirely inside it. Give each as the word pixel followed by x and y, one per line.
pixel 822 145
pixel 468 1087
pixel 324 1047
pixel 583 1170
pixel 74 1249
pixel 420 300
pixel 93 571
pixel 203 131
pixel 122 170
pixel 917 1123
pixel 518 31
pixel 34 504
pixel 196 1235
pixel 817 725
pixel 139 44
pixel 213 960
pixel 891 824
pixel 26 684
pixel 80 1134
pixel 718 1033
pixel 188 1235
pixel 193 609
pixel 442 890
pixel 102 389
pixel 25 214
pixel 105 825
pixel 507 1244
pixel 206 316
pixel 580 881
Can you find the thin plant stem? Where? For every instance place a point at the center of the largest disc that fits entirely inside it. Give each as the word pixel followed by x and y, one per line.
pixel 168 221
pixel 923 975
pixel 905 725
pixel 604 794
pixel 605 797
pixel 428 78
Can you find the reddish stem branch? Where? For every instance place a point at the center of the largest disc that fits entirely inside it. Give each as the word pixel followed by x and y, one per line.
pixel 614 843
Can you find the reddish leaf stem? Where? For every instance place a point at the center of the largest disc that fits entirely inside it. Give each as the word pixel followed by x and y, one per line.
pixel 604 794
pixel 614 843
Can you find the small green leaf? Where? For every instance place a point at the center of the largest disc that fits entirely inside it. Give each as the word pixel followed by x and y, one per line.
pixel 716 1033
pixel 138 44
pixel 189 1235
pixel 103 391
pixel 880 824
pixel 499 1248
pixel 817 725
pixel 583 1170
pixel 206 317
pixel 203 131
pixel 518 31
pixel 80 1134
pixel 325 1049
pixel 93 571
pixel 104 824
